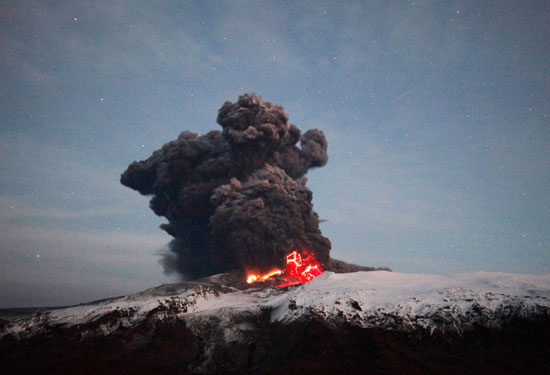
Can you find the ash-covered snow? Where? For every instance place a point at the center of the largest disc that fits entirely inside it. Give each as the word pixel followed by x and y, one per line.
pixel 367 299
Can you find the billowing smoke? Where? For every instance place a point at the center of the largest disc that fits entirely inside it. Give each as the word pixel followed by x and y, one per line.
pixel 235 199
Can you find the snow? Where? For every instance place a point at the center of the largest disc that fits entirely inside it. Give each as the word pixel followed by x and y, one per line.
pixel 413 294
pixel 377 298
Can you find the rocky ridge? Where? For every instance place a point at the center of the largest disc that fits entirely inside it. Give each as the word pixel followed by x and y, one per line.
pixel 368 322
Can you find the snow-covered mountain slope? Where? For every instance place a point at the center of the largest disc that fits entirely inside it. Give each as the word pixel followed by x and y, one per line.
pixel 363 298
pixel 221 312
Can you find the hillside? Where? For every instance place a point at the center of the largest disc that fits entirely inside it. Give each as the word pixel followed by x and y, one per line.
pixel 363 322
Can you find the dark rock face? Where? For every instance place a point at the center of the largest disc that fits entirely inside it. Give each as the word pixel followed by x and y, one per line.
pixel 153 346
pixel 222 326
pixel 311 346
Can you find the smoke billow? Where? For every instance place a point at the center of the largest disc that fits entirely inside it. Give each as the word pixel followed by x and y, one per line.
pixel 238 198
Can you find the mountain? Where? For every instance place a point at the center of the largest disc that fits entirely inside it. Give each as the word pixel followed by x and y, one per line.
pixel 356 323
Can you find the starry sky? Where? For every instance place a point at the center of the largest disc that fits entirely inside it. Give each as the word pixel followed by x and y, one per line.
pixel 436 113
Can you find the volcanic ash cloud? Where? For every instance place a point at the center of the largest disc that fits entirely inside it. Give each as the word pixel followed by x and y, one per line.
pixel 235 199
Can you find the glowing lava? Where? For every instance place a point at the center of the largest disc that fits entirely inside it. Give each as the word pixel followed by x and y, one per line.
pixel 253 278
pixel 300 268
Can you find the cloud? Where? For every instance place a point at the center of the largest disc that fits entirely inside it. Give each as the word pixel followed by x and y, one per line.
pixel 71 266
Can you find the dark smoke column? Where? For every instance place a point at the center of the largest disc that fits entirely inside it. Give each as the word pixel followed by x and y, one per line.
pixel 235 199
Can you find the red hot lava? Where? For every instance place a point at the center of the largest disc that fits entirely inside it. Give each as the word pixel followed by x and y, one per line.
pixel 300 268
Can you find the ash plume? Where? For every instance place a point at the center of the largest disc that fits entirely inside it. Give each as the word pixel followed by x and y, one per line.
pixel 237 198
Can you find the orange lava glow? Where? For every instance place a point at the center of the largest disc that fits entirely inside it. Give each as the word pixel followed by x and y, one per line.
pixel 300 268
pixel 252 278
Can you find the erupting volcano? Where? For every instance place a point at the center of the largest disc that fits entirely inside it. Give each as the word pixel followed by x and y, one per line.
pixel 237 199
pixel 300 269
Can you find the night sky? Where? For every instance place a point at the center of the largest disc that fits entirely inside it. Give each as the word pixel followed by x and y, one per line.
pixel 437 116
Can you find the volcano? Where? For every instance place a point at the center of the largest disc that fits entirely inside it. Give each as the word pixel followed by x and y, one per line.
pixel 238 199
pixel 375 322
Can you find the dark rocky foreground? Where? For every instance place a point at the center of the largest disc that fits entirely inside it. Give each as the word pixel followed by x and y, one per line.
pixel 309 347
pixel 206 327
